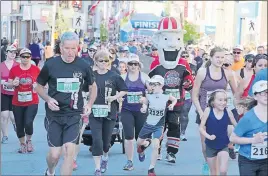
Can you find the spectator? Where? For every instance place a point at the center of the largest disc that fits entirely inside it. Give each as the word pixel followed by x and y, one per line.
pixel 239 61
pixel 48 50
pixel 35 50
pixel 4 44
pixel 154 55
pixel 260 50
pixel 42 48
pixel 57 49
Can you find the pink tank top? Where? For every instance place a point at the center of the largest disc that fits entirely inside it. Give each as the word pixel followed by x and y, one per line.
pixel 4 77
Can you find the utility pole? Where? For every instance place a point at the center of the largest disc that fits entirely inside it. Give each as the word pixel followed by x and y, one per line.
pixel 54 11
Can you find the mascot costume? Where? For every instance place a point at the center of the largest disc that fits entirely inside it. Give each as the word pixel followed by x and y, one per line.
pixel 177 74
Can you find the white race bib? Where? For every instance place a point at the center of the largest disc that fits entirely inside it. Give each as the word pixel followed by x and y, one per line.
pixel 259 151
pixel 173 92
pixel 100 110
pixel 8 88
pixel 25 96
pixel 187 95
pixel 68 85
pixel 208 95
pixel 134 97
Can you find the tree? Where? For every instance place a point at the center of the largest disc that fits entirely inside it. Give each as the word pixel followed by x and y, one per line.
pixel 192 35
pixel 103 32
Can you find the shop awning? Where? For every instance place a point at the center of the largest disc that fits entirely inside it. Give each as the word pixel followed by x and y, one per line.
pixel 41 26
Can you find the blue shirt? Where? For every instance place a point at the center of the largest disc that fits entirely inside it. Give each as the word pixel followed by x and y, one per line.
pixel 246 127
pixel 261 75
pixel 133 49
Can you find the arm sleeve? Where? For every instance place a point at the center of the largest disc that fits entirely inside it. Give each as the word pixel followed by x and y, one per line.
pixel 120 84
pixel 43 77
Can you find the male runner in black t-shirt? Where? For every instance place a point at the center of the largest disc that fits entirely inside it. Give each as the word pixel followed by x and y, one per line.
pixel 65 76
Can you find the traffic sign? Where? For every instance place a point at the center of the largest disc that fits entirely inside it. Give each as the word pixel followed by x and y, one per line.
pixel 79 21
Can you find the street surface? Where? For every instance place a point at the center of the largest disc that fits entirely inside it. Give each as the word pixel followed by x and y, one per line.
pixel 189 159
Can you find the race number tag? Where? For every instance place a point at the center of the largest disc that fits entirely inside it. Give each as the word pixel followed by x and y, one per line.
pixel 155 112
pixel 208 95
pixel 100 110
pixel 173 92
pixel 25 96
pixel 187 95
pixel 259 151
pixel 134 97
pixel 68 85
pixel 8 88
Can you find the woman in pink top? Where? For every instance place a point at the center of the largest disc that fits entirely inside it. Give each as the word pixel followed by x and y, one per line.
pixel 7 93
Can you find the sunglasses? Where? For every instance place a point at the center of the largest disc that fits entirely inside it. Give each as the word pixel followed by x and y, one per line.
pixel 263 93
pixel 154 49
pixel 101 61
pixel 185 56
pixel 92 51
pixel 131 63
pixel 236 52
pixel 226 65
pixel 13 52
pixel 154 84
pixel 25 57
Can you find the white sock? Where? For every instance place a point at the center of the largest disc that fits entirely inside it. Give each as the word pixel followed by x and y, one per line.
pixel 50 173
pixel 151 167
pixel 105 158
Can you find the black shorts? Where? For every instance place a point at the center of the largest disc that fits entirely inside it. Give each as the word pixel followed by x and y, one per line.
pixel 63 129
pixel 6 102
pixel 173 117
pixel 210 152
pixel 198 120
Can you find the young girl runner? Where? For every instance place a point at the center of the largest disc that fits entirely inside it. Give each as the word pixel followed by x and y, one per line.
pixel 251 134
pixel 214 123
pixel 154 124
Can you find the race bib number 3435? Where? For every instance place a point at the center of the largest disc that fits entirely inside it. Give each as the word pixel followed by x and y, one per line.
pixel 259 151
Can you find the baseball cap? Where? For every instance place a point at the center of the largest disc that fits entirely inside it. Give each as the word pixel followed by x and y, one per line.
pixel 240 47
pixel 157 79
pixel 123 48
pixel 93 47
pixel 25 50
pixel 11 48
pixel 134 57
pixel 259 86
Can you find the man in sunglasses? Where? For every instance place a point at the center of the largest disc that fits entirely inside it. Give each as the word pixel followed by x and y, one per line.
pixel 239 61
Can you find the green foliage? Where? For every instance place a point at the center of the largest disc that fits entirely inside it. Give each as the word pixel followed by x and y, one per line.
pixel 103 33
pixel 61 23
pixel 192 35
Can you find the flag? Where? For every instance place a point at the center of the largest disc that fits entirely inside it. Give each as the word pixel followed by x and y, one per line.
pixel 93 7
pixel 127 27
pixel 129 13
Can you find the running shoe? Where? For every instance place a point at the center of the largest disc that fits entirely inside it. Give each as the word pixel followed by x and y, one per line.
pixel 236 148
pixel 29 144
pixel 23 148
pixel 232 154
pixel 128 166
pixel 151 172
pixel 183 138
pixel 97 173
pixel 104 165
pixel 141 148
pixel 75 166
pixel 171 158
pixel 4 140
pixel 142 156
pixel 205 169
pixel 48 175
pixel 159 156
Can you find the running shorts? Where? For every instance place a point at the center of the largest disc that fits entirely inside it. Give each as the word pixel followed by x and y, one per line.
pixel 6 102
pixel 149 131
pixel 210 152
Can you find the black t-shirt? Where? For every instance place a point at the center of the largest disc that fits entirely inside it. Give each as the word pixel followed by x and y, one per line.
pixel 65 81
pixel 88 60
pixel 108 84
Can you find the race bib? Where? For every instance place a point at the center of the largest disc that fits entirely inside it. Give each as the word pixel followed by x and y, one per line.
pixel 173 92
pixel 154 112
pixel 68 85
pixel 187 95
pixel 208 95
pixel 100 110
pixel 134 97
pixel 8 88
pixel 259 151
pixel 25 96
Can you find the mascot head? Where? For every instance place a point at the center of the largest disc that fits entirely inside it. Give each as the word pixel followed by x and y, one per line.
pixel 169 42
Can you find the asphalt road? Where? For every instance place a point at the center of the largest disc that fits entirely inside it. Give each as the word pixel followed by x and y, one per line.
pixel 189 159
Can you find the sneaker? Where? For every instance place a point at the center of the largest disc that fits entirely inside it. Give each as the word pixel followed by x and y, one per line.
pixel 46 173
pixel 171 158
pixel 236 148
pixel 183 138
pixel 30 148
pixel 23 148
pixel 205 169
pixel 141 148
pixel 4 140
pixel 142 156
pixel 159 156
pixel 97 172
pixel 151 172
pixel 128 166
pixel 104 166
pixel 232 154
pixel 75 166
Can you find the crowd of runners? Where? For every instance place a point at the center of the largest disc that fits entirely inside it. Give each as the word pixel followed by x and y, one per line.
pixel 102 84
